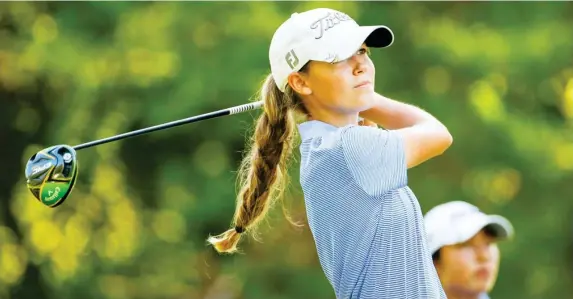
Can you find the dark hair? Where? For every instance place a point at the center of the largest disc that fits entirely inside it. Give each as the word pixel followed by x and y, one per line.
pixel 436 256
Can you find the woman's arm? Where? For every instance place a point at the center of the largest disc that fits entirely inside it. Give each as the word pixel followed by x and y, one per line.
pixel 423 135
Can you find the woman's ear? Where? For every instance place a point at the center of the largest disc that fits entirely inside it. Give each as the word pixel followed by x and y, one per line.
pixel 299 84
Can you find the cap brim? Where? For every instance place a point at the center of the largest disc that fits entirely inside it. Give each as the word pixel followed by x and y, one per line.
pixel 378 36
pixel 500 226
pixel 372 36
pixel 349 42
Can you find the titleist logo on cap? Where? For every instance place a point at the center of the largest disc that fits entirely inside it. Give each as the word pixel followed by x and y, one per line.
pixel 327 22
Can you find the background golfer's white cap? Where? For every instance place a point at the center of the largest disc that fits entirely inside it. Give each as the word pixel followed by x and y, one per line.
pixel 458 221
pixel 320 34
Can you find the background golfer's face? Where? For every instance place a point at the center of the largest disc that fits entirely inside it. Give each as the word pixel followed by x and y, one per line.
pixel 470 267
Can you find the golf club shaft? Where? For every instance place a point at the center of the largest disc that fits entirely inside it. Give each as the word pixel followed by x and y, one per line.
pixel 214 114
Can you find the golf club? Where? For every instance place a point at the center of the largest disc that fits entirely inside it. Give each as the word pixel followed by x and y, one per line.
pixel 51 173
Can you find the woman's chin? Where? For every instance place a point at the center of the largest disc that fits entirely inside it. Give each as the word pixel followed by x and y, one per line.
pixel 367 101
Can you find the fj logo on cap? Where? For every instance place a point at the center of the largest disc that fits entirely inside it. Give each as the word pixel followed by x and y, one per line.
pixel 327 22
pixel 291 59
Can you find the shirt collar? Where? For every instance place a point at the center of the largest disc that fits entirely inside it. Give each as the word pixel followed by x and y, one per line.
pixel 314 128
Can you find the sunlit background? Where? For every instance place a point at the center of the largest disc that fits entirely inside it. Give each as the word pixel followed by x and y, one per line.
pixel 499 75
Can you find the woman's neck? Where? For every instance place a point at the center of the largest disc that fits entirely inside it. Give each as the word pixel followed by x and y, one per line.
pixel 337 120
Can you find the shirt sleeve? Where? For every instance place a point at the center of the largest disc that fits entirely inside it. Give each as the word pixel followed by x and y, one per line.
pixel 376 158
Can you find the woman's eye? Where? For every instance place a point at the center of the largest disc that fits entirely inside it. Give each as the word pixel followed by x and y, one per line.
pixel 363 51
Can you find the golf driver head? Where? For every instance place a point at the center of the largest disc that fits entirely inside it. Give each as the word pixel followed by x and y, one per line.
pixel 51 174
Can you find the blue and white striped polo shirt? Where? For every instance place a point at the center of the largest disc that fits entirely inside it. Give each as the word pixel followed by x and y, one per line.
pixel 365 220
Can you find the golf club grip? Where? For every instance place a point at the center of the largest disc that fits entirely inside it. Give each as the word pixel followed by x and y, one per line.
pixel 214 114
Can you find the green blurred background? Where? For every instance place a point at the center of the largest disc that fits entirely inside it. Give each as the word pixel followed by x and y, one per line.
pixel 499 75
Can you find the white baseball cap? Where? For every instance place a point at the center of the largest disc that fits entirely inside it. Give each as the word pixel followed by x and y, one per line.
pixel 458 221
pixel 320 34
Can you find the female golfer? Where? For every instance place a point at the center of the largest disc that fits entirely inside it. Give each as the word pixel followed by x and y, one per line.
pixel 365 220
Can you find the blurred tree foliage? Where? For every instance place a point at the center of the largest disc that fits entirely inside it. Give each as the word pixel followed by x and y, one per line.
pixel 500 75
